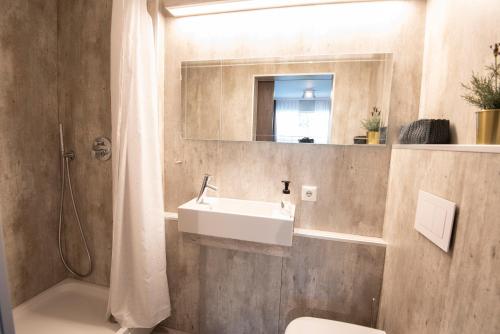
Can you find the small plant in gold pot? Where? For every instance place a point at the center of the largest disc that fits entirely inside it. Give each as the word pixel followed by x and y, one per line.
pixel 484 93
pixel 372 126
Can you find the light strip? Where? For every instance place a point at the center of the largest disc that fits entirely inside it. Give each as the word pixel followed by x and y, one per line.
pixel 243 5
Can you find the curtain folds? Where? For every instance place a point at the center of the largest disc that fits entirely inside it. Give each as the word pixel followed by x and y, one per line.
pixel 139 289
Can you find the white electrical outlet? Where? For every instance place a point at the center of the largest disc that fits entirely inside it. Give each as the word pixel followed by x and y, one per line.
pixel 309 193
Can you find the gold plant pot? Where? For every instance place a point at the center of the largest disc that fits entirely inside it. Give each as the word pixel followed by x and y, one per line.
pixel 488 126
pixel 373 137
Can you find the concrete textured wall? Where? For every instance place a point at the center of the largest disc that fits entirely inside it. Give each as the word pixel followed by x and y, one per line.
pixel 29 163
pixel 54 56
pixel 84 29
pixel 457 39
pixel 426 290
pixel 227 286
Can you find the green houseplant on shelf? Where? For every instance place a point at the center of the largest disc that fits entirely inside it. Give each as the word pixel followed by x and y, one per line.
pixel 484 93
pixel 372 125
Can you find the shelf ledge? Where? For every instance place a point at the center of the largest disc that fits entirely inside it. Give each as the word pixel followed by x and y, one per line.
pixel 171 216
pixel 340 237
pixel 317 234
pixel 449 147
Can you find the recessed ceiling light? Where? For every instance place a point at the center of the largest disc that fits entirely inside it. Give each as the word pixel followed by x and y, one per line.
pixel 242 5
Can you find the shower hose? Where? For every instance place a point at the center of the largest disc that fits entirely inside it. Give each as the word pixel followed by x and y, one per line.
pixel 65 158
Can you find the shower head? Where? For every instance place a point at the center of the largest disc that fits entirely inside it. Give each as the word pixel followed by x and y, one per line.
pixel 61 138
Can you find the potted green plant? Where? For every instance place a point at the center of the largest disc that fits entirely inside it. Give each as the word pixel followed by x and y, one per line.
pixel 372 126
pixel 484 93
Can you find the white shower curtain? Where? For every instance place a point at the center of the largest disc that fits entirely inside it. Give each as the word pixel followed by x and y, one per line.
pixel 139 289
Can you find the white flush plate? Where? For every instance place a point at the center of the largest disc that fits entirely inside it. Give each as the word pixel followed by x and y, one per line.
pixel 434 218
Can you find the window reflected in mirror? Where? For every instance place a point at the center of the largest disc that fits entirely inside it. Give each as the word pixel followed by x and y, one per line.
pixel 294 108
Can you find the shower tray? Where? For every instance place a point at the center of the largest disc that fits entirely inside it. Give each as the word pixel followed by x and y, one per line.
pixel 70 307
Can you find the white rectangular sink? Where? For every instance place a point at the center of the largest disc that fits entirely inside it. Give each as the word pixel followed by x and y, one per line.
pixel 238 219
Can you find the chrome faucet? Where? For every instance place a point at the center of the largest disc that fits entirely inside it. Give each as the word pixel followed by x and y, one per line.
pixel 204 186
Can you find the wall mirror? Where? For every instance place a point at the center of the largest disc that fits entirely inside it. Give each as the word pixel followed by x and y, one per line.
pixel 320 100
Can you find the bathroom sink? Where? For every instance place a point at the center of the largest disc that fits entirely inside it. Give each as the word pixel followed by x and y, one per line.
pixel 238 219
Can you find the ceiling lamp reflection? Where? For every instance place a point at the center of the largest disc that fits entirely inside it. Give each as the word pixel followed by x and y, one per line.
pixel 309 94
pixel 243 5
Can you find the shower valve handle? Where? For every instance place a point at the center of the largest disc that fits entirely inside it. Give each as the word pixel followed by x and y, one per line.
pixel 101 149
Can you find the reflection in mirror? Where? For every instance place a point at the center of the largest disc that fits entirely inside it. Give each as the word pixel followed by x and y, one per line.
pixel 320 100
pixel 201 90
pixel 294 108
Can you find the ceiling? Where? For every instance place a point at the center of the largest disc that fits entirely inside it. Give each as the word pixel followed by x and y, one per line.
pixel 293 87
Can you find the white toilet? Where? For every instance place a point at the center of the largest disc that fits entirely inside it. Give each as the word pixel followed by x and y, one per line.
pixel 307 325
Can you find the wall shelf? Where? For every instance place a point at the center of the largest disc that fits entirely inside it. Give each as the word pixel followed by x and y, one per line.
pixel 450 147
pixel 341 237
pixel 171 216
